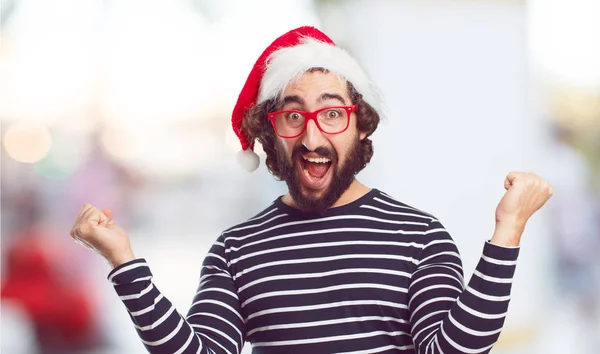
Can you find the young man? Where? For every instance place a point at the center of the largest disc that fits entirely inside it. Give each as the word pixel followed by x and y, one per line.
pixel 333 266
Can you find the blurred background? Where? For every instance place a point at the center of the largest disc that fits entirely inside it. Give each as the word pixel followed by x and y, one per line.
pixel 126 105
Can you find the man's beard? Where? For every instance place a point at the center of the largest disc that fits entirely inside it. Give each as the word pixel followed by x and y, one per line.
pixel 342 175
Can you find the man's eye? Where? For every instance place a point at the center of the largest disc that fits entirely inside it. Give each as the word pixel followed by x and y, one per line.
pixel 333 114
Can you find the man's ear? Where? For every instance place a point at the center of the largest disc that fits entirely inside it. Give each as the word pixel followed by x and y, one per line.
pixel 363 135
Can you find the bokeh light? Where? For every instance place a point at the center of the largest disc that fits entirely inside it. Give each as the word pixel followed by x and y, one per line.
pixel 27 142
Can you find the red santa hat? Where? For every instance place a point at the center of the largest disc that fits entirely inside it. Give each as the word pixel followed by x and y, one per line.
pixel 286 59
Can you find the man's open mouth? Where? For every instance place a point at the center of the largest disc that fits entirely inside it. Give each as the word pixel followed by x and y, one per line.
pixel 314 170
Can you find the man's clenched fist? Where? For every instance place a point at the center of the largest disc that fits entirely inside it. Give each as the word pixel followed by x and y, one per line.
pixel 525 194
pixel 96 230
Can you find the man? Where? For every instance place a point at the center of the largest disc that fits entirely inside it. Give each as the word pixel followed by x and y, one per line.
pixel 332 266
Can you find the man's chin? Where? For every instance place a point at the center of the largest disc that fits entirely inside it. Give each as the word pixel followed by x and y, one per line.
pixel 308 199
pixel 310 191
pixel 311 196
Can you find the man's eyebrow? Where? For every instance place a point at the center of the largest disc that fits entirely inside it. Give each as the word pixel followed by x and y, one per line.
pixel 331 96
pixel 292 99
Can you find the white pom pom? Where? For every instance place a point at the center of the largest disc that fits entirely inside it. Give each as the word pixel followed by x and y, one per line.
pixel 248 159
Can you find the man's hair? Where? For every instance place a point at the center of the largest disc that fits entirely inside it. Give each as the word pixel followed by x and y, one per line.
pixel 258 126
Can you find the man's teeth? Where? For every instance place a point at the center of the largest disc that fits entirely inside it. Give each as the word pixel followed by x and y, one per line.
pixel 317 159
pixel 307 174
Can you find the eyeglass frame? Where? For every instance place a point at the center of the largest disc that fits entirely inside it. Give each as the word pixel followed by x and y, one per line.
pixel 311 116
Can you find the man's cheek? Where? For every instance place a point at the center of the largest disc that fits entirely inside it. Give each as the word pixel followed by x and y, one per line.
pixel 288 149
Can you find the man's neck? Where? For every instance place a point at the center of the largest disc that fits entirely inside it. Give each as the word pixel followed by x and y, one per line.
pixel 355 191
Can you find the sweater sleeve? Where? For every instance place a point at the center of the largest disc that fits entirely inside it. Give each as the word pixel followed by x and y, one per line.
pixel 213 324
pixel 445 316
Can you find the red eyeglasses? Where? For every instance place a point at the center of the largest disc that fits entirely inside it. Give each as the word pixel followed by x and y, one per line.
pixel 329 120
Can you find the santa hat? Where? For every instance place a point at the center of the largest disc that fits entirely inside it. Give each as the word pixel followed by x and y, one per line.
pixel 286 59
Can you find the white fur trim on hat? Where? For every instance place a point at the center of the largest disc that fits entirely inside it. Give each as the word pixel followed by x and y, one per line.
pixel 289 63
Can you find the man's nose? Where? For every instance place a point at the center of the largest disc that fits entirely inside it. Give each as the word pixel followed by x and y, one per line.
pixel 313 136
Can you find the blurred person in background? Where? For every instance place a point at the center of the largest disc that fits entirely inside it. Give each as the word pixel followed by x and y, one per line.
pixel 576 232
pixel 51 303
pixel 333 265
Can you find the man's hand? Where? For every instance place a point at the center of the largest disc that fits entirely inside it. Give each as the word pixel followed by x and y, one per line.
pixel 96 230
pixel 525 194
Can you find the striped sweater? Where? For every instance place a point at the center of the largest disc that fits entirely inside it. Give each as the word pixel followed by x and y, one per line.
pixel 372 276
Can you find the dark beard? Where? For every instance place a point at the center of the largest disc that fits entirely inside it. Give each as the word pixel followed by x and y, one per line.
pixel 342 176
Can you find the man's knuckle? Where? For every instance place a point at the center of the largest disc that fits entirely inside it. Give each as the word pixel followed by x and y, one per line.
pixel 82 230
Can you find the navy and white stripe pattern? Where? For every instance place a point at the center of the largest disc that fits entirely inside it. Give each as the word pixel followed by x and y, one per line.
pixel 373 276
